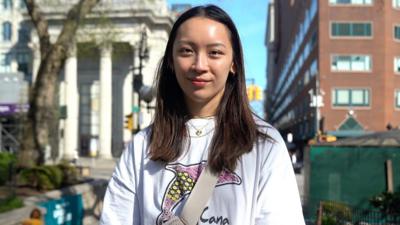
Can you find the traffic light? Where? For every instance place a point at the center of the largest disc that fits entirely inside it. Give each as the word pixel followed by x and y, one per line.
pixel 250 92
pixel 129 121
pixel 254 93
pixel 258 95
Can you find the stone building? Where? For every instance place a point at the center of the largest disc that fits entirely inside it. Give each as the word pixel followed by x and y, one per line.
pixel 119 40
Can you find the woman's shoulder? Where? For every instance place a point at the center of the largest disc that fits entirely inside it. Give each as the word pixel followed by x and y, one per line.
pixel 266 128
pixel 143 133
pixel 271 143
pixel 139 140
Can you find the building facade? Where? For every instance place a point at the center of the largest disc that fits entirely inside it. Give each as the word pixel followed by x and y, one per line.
pixel 333 67
pixel 120 41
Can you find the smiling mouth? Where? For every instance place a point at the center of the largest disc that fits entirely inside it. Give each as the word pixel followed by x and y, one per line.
pixel 199 82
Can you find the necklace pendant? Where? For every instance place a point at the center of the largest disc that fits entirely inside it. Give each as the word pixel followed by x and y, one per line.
pixel 198 132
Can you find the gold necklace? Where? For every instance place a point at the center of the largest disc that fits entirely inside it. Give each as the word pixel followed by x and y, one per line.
pixel 199 131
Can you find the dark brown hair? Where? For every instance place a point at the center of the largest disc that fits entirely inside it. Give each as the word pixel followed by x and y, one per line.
pixel 236 131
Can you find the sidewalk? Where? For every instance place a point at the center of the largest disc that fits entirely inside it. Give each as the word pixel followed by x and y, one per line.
pixel 99 168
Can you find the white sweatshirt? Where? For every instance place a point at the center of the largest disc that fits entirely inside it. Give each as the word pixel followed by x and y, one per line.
pixel 261 191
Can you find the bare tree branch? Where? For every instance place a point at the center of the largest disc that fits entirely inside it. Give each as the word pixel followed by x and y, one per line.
pixel 73 20
pixel 41 26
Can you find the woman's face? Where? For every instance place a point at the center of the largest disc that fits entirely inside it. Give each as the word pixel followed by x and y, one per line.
pixel 202 58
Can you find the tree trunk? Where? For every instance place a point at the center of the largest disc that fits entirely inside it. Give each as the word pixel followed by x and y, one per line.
pixel 42 114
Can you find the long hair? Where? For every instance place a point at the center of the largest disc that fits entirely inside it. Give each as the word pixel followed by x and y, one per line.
pixel 236 131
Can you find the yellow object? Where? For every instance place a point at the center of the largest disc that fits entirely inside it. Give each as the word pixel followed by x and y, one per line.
pixel 250 92
pixel 254 93
pixel 129 121
pixel 32 222
pixel 328 138
pixel 258 93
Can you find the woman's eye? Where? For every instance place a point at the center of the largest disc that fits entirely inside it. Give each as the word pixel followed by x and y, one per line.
pixel 216 53
pixel 185 51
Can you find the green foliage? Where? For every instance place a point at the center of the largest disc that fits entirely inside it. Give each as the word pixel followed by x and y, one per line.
pixel 6 160
pixel 387 203
pixel 70 174
pixel 337 209
pixel 328 220
pixel 56 175
pixel 41 177
pixel 333 212
pixel 49 177
pixel 12 202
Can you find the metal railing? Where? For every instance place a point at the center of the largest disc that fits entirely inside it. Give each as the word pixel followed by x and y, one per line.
pixel 9 137
pixel 330 213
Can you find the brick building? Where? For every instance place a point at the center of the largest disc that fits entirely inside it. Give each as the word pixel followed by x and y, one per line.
pixel 333 66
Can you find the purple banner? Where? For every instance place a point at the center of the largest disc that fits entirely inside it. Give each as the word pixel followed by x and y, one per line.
pixel 10 109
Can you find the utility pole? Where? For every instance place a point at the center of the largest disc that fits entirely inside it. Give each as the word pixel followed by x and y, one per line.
pixel 317 102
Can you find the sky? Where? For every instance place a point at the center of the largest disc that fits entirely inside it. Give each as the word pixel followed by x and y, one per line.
pixel 250 20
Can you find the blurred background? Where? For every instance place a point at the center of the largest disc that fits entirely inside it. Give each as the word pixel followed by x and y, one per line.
pixel 74 89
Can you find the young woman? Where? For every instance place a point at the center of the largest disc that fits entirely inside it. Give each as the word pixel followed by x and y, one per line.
pixel 203 117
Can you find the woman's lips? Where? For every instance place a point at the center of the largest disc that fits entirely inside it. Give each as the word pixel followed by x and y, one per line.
pixel 199 82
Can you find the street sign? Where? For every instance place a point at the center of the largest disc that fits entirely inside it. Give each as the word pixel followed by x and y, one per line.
pixel 67 210
pixel 135 109
pixel 10 109
pixel 316 101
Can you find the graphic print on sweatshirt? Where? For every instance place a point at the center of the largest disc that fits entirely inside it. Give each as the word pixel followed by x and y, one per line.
pixel 182 184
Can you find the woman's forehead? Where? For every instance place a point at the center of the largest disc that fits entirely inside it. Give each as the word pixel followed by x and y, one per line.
pixel 202 28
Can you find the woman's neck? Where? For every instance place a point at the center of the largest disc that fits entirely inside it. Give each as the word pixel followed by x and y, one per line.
pixel 199 110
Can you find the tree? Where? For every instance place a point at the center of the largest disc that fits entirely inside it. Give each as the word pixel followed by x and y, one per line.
pixel 42 101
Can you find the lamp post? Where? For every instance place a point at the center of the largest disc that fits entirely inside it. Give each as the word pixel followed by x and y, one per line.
pixel 144 92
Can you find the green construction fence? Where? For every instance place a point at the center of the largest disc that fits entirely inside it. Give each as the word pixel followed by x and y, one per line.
pixel 351 175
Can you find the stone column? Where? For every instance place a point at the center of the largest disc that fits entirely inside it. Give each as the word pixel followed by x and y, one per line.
pixel 105 101
pixel 14 63
pixel 72 103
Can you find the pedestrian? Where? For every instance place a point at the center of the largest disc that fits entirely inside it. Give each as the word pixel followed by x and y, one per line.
pixel 203 120
pixel 35 218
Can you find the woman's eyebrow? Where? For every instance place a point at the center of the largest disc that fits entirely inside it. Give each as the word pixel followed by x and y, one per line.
pixel 215 44
pixel 185 42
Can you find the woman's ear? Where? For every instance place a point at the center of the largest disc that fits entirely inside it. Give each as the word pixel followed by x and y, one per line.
pixel 233 68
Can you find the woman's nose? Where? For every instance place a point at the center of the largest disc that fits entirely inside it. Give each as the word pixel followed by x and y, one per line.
pixel 201 62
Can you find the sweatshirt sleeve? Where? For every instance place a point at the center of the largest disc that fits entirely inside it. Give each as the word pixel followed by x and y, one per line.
pixel 278 198
pixel 120 206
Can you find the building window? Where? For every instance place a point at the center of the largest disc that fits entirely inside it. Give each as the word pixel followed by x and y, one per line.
pixel 7 31
pixel 350 97
pixel 356 63
pixel 5 63
pixel 350 2
pixel 343 29
pixel 397 98
pixel 397 64
pixel 397 32
pixel 22 4
pixel 23 35
pixel 7 4
pixel 396 4
pixel 23 59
